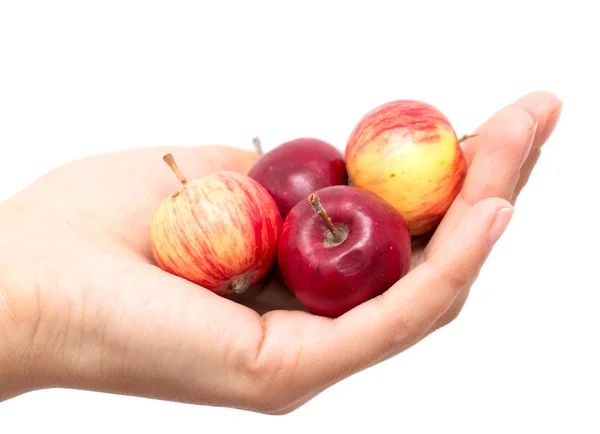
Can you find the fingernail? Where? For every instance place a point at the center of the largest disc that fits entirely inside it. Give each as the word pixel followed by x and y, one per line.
pixel 553 118
pixel 499 225
pixel 556 113
pixel 527 149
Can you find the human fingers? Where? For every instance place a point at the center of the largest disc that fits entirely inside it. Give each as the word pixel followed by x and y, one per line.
pixel 122 190
pixel 541 105
pixel 498 153
pixel 505 181
pixel 390 323
pixel 547 109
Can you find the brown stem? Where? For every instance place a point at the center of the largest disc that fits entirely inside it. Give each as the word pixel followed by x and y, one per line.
pixel 313 199
pixel 466 137
pixel 258 146
pixel 171 162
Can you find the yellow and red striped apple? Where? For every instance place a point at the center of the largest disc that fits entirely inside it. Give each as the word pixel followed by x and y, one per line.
pixel 408 153
pixel 219 231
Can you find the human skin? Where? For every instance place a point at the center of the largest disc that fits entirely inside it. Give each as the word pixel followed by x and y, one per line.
pixel 82 304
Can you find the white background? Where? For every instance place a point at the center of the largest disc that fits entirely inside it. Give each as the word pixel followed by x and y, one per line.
pixel 81 78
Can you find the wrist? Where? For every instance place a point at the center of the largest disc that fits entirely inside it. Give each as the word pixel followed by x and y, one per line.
pixel 17 311
pixel 13 378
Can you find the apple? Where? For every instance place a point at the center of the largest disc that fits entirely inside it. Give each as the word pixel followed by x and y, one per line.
pixel 219 231
pixel 342 247
pixel 408 153
pixel 294 169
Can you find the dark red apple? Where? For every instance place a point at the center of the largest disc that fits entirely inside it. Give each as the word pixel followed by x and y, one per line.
pixel 342 247
pixel 294 169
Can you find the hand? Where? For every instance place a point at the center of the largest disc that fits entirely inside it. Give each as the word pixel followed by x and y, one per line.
pixel 82 304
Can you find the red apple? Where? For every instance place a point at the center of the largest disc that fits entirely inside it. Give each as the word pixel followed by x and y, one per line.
pixel 219 231
pixel 342 247
pixel 407 152
pixel 294 169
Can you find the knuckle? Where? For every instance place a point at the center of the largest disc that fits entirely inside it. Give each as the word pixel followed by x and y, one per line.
pixel 274 372
pixel 404 331
pixel 522 124
pixel 452 316
pixel 458 278
pixel 452 278
pixel 265 392
pixel 403 326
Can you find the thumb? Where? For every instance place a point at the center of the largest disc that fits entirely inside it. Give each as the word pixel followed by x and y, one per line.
pixel 239 160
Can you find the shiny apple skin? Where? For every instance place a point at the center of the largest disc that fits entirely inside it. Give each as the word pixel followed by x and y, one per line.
pixel 295 169
pixel 219 231
pixel 331 280
pixel 407 152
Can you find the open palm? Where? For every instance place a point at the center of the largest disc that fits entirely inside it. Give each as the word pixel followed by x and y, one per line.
pixel 97 313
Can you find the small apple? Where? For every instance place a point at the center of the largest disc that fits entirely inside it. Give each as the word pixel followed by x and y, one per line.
pixel 294 169
pixel 342 247
pixel 407 152
pixel 219 231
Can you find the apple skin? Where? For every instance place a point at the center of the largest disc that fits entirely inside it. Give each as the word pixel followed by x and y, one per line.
pixel 219 231
pixel 329 280
pixel 407 152
pixel 295 169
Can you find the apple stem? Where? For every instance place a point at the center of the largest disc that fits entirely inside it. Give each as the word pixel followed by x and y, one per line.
pixel 258 146
pixel 313 199
pixel 466 137
pixel 173 165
